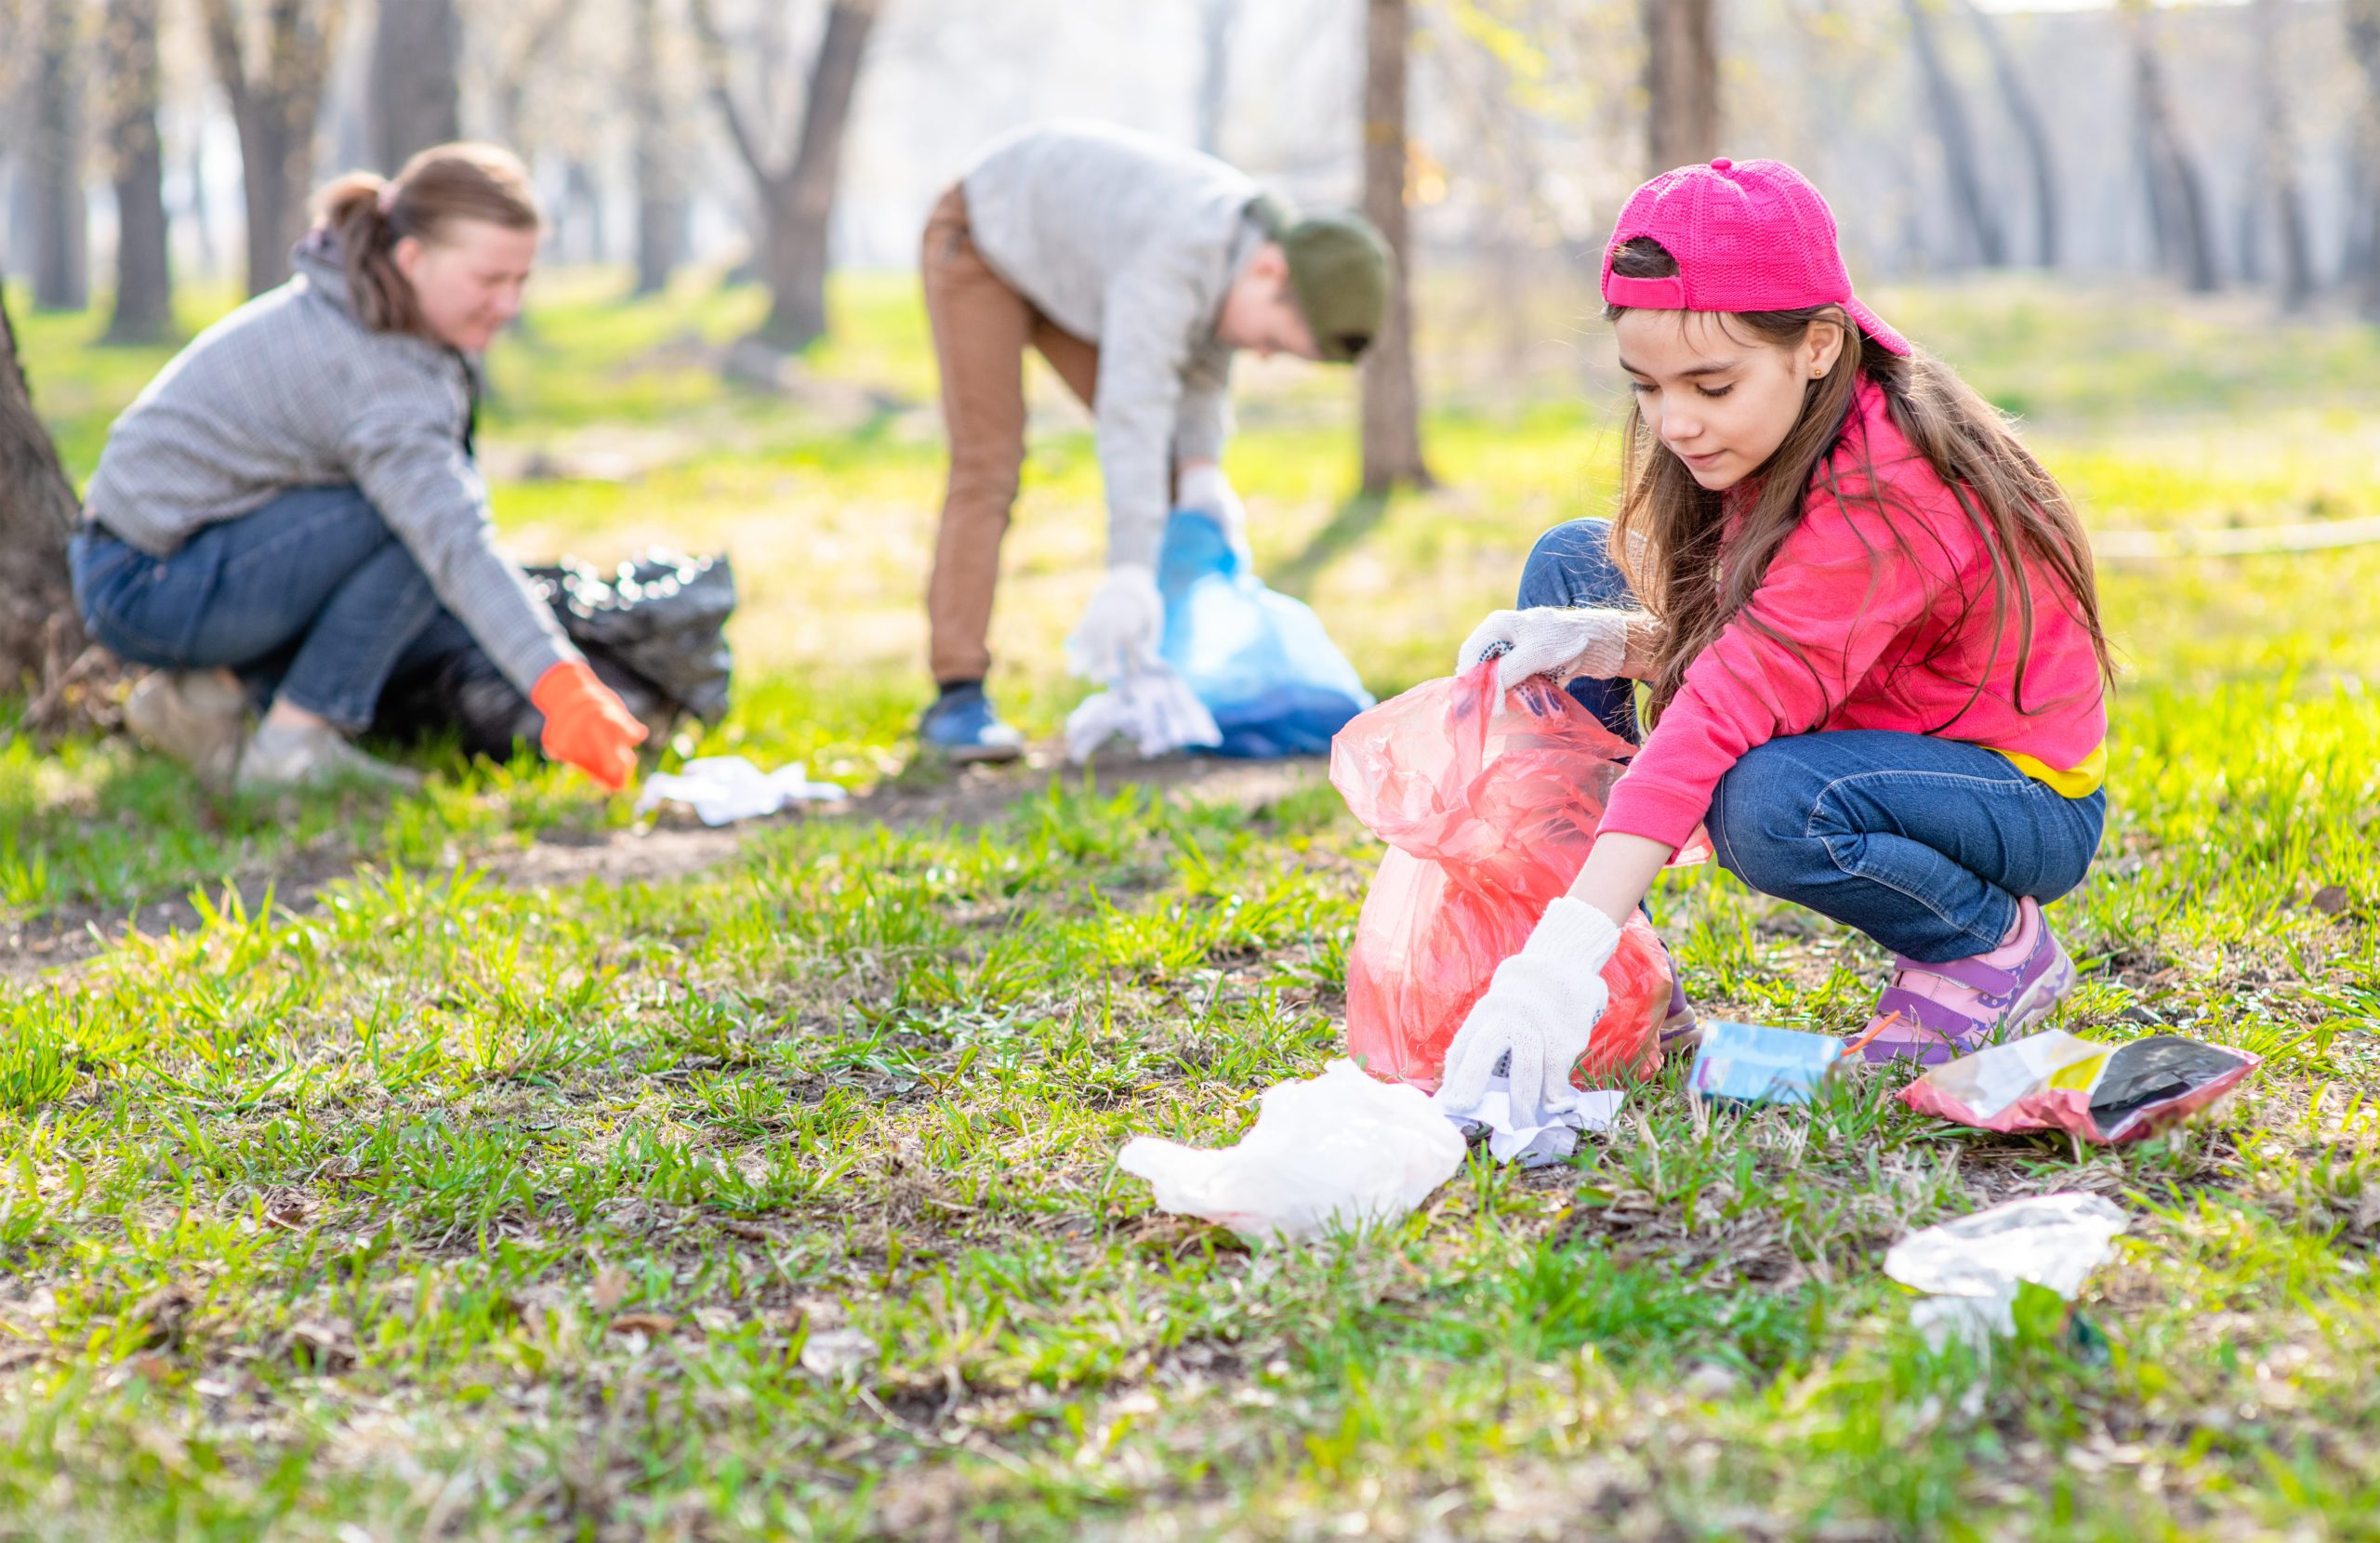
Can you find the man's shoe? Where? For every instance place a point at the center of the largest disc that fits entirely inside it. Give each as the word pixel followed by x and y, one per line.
pixel 282 758
pixel 195 716
pixel 963 727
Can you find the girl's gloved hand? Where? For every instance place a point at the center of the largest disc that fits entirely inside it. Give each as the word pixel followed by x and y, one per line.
pixel 587 724
pixel 1540 1008
pixel 1562 641
pixel 1121 627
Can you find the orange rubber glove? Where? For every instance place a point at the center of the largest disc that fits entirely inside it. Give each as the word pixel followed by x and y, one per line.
pixel 587 724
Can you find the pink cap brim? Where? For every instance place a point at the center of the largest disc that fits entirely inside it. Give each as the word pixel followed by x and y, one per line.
pixel 1873 325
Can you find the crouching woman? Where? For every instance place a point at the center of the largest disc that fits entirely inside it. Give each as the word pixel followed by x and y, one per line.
pixel 292 510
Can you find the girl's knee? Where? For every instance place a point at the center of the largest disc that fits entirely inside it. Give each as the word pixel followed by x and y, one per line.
pixel 1571 565
pixel 1759 823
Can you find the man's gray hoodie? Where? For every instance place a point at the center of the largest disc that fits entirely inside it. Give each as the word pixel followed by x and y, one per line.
pixel 1132 243
pixel 291 390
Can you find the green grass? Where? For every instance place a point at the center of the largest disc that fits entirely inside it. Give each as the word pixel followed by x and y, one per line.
pixel 448 1194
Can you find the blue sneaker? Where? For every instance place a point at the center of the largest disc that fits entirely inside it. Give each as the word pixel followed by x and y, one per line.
pixel 963 727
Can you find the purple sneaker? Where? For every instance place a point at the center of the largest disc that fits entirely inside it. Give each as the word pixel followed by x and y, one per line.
pixel 1680 1032
pixel 1990 1003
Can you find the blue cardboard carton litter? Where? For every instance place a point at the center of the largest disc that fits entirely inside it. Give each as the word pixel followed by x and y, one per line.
pixel 1748 1064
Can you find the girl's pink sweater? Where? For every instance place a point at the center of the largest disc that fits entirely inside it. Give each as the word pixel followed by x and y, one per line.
pixel 1886 587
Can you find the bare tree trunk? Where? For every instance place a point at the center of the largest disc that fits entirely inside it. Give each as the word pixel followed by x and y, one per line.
pixel 1968 195
pixel 415 95
pixel 1392 400
pixel 2177 193
pixel 2279 159
pixel 798 203
pixel 2361 19
pixel 660 179
pixel 62 224
pixel 1216 19
pixel 275 109
pixel 144 282
pixel 202 213
pixel 1681 82
pixel 38 511
pixel 2026 113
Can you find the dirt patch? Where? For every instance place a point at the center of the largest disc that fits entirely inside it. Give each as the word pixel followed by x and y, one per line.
pixel 979 793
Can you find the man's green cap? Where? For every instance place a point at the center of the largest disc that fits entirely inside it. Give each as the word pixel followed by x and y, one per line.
pixel 1339 268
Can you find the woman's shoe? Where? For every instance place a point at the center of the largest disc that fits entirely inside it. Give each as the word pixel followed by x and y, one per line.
pixel 280 756
pixel 1942 1011
pixel 196 717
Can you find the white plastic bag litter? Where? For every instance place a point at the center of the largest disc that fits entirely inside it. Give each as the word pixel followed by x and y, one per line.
pixel 1331 1151
pixel 1533 1138
pixel 1970 1269
pixel 725 788
pixel 1154 708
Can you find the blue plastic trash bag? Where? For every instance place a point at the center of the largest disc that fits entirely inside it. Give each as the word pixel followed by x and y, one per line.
pixel 1260 661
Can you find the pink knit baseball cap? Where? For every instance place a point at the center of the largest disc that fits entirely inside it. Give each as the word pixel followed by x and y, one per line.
pixel 1748 235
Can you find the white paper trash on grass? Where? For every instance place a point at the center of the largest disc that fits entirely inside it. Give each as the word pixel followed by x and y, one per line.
pixel 1534 1138
pixel 723 789
pixel 1153 707
pixel 1969 1269
pixel 1335 1150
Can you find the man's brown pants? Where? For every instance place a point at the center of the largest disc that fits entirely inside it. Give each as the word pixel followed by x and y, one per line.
pixel 981 329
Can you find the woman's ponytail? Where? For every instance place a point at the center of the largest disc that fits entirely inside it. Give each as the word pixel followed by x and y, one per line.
pixel 356 210
pixel 367 215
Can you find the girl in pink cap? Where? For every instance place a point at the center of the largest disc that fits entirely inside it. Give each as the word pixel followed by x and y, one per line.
pixel 1867 622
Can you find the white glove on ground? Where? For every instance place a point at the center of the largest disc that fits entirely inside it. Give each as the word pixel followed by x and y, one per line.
pixel 1121 627
pixel 1559 641
pixel 1540 1008
pixel 1205 489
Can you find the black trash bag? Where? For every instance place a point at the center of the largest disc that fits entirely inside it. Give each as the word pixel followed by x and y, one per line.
pixel 654 632
pixel 662 615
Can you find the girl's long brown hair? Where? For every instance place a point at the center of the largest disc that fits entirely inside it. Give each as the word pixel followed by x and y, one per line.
pixel 442 185
pixel 1667 538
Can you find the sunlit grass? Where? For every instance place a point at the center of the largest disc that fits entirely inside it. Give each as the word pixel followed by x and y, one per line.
pixel 778 1199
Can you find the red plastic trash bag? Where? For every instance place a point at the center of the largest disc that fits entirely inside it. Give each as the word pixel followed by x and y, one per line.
pixel 1489 804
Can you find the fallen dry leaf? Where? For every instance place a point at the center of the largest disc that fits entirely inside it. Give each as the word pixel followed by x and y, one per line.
pixel 611 1287
pixel 2331 900
pixel 652 1325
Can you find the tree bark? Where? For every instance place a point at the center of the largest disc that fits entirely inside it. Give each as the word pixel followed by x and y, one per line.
pixel 2362 21
pixel 2026 113
pixel 797 200
pixel 38 511
pixel 144 284
pixel 660 179
pixel 1392 403
pixel 414 92
pixel 2176 193
pixel 62 224
pixel 1681 82
pixel 1216 20
pixel 2279 159
pixel 1972 201
pixel 274 106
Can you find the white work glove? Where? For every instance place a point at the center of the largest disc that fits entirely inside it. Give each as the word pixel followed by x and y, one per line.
pixel 1205 489
pixel 1563 641
pixel 1540 1008
pixel 1121 627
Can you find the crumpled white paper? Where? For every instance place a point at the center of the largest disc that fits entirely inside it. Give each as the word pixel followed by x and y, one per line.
pixel 1970 1268
pixel 1152 706
pixel 1534 1138
pixel 1335 1150
pixel 723 789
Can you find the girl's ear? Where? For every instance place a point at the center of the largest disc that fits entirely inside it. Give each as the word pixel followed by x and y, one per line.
pixel 407 253
pixel 1821 346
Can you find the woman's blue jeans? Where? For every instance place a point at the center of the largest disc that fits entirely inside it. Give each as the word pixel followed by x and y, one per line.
pixel 310 590
pixel 1924 844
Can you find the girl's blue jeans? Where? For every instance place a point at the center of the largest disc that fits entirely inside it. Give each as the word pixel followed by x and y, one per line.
pixel 1924 844
pixel 309 596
